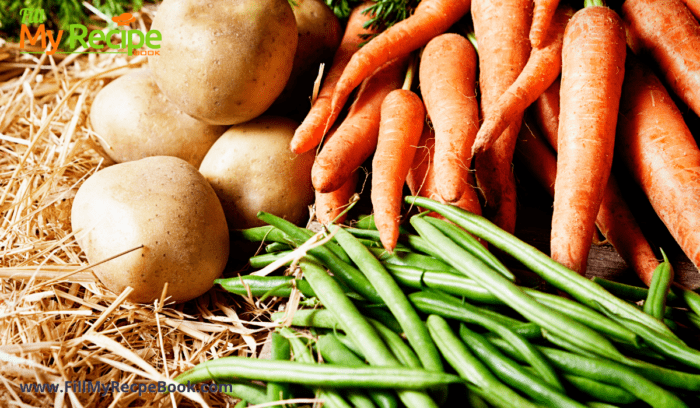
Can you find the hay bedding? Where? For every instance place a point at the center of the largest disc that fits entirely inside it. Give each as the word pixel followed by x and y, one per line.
pixel 57 322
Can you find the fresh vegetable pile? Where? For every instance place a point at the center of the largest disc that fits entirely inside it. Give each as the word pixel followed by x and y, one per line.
pixel 507 345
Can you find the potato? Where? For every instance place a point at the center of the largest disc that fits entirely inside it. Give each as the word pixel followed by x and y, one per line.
pixel 319 37
pixel 224 61
pixel 252 169
pixel 135 120
pixel 165 204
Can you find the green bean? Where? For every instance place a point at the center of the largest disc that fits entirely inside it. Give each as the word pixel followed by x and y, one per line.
pixel 694 319
pixel 691 298
pixel 662 344
pixel 513 374
pixel 471 369
pixel 587 316
pixel 303 354
pixel 475 401
pixel 335 352
pixel 241 404
pixel 276 247
pixel 394 298
pixel 280 286
pixel 513 295
pixel 267 233
pixel 459 285
pixel 262 260
pixel 629 292
pixel 655 302
pixel 359 329
pixel 244 390
pixel 347 342
pixel 413 241
pixel 345 272
pixel 280 350
pixel 412 259
pixel 381 315
pixel 367 222
pixel 449 307
pixel 397 346
pixel 471 244
pixel 473 315
pixel 600 391
pixel 559 276
pixel 649 372
pixel 596 404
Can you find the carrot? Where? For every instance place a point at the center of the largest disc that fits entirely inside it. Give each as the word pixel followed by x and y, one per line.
pixel 656 145
pixel 448 86
pixel 667 30
pixel 545 111
pixel 501 30
pixel 693 6
pixel 421 179
pixel 542 68
pixel 593 60
pixel 356 137
pixel 330 206
pixel 431 18
pixel 614 220
pixel 541 18
pixel 309 134
pixel 400 130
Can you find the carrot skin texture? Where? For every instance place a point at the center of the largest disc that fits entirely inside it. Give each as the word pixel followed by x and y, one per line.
pixel 668 31
pixel 309 134
pixel 693 6
pixel 421 176
pixel 331 205
pixel 431 18
pixel 542 16
pixel 501 30
pixel 403 115
pixel 356 137
pixel 662 155
pixel 593 68
pixel 614 220
pixel 450 99
pixel 542 69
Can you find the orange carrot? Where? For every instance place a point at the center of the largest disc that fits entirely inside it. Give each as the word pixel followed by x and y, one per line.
pixel 545 111
pixel 402 118
pixel 667 30
pixel 448 86
pixel 656 145
pixel 541 19
pixel 329 206
pixel 421 179
pixel 431 18
pixel 309 134
pixel 543 67
pixel 693 6
pixel 501 30
pixel 356 138
pixel 614 220
pixel 593 60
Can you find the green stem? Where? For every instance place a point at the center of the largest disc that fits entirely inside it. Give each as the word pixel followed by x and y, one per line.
pixel 593 3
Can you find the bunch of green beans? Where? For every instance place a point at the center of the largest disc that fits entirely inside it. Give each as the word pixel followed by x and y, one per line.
pixel 389 323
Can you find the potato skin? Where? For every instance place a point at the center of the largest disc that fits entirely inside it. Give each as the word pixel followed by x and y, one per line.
pixel 136 120
pixel 224 61
pixel 165 204
pixel 251 169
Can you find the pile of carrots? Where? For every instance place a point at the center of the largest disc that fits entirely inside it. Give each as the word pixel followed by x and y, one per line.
pixel 568 90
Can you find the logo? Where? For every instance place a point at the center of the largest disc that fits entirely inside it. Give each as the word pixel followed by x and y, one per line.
pixel 131 40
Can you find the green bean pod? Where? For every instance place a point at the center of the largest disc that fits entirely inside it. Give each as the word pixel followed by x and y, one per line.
pixel 471 244
pixel 244 390
pixel 367 222
pixel 691 298
pixel 241 404
pixel 335 352
pixel 600 391
pixel 394 298
pixel 280 350
pixel 345 272
pixel 412 259
pixel 280 286
pixel 559 276
pixel 512 295
pixel 445 306
pixel 655 302
pixel 359 329
pixel 471 369
pixel 513 374
pixel 629 292
pixel 277 247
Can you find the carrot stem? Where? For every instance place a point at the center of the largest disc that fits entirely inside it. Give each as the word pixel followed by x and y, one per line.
pixel 410 72
pixel 593 3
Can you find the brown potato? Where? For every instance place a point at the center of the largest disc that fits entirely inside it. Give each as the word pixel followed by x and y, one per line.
pixel 135 120
pixel 224 61
pixel 252 169
pixel 168 206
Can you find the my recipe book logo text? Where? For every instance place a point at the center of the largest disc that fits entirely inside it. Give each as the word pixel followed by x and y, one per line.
pixel 131 40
